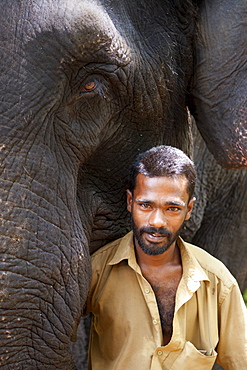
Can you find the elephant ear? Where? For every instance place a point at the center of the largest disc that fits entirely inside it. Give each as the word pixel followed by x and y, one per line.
pixel 219 86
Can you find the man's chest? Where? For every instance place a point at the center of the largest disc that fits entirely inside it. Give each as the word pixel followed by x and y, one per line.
pixel 165 294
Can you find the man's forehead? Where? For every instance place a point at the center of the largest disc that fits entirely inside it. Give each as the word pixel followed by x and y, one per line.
pixel 161 186
pixel 144 180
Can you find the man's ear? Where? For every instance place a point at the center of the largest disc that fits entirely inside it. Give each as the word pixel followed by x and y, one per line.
pixel 190 207
pixel 129 200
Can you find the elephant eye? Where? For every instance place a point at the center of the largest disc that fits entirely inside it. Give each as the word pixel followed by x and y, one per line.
pixel 89 86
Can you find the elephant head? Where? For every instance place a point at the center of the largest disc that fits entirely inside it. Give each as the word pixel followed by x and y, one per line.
pixel 86 86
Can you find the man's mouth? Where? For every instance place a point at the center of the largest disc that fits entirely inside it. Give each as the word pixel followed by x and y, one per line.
pixel 155 237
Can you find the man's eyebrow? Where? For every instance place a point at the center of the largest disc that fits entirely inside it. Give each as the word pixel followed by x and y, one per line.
pixel 171 203
pixel 144 201
pixel 174 203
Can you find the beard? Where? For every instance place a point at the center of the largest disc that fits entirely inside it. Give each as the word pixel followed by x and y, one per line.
pixel 154 249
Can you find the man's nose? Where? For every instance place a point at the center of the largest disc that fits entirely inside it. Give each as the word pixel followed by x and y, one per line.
pixel 157 219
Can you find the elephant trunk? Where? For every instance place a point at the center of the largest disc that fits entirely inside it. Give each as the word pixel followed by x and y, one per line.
pixel 45 266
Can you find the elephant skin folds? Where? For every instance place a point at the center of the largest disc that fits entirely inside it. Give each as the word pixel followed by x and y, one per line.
pixel 86 85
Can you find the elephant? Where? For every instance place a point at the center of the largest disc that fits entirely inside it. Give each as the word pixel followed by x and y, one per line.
pixel 86 85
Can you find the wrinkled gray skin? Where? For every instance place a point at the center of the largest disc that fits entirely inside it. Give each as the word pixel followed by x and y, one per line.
pixel 86 86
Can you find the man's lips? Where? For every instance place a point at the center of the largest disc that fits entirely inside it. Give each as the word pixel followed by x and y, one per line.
pixel 155 237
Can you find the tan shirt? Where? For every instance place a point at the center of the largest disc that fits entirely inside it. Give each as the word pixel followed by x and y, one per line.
pixel 210 315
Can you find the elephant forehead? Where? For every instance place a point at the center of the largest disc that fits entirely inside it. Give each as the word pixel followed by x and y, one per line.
pixel 86 24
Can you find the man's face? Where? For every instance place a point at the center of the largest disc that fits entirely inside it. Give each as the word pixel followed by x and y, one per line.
pixel 159 206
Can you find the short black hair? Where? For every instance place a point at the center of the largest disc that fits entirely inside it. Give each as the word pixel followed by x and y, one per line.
pixel 166 161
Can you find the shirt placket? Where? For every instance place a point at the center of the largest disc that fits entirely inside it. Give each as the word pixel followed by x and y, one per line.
pixel 163 356
pixel 151 302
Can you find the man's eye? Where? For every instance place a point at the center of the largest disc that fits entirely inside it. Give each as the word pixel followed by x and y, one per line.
pixel 145 206
pixel 174 209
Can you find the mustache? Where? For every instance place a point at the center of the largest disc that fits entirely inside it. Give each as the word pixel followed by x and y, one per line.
pixel 153 230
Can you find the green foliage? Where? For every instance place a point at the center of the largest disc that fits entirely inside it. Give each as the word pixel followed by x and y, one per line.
pixel 245 296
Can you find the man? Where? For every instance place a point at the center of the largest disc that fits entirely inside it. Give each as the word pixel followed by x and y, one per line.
pixel 157 301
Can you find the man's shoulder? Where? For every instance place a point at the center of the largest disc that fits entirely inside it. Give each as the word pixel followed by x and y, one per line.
pixel 107 248
pixel 104 254
pixel 211 265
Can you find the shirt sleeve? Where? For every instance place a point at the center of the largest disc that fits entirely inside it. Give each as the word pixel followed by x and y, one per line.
pixel 88 305
pixel 100 271
pixel 232 347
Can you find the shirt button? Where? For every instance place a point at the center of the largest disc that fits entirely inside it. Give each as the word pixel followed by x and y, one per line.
pixel 155 322
pixel 147 290
pixel 160 353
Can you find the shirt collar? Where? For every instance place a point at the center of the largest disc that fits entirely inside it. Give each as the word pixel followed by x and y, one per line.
pixel 192 270
pixel 125 251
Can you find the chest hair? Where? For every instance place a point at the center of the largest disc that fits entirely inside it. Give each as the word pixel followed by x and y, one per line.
pixel 165 296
